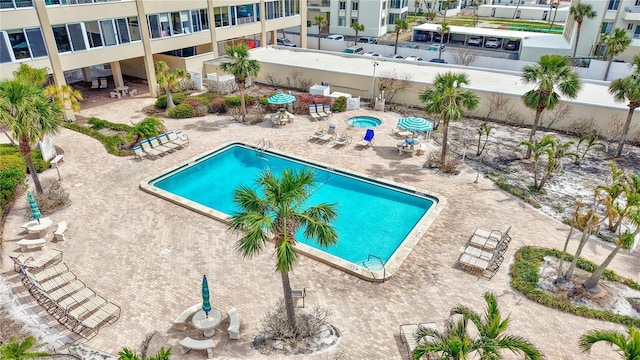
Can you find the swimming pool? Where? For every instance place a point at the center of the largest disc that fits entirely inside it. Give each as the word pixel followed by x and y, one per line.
pixel 364 121
pixel 378 223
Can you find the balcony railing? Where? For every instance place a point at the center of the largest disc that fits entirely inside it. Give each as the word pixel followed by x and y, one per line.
pixel 632 9
pixel 317 3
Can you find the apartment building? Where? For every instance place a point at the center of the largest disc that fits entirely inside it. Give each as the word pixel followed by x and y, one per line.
pixel 378 16
pixel 126 36
pixel 610 14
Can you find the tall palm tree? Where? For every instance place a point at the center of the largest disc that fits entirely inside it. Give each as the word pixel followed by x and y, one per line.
pixel 30 115
pixel 241 67
pixel 454 343
pixel 15 349
pixel 579 13
pixel 449 99
pixel 147 128
pixel 627 88
pixel 320 22
pixel 170 80
pixel 628 347
pixel 401 25
pixel 624 241
pixel 551 72
pixel 615 44
pixel 443 30
pixel 491 328
pixel 276 206
pixel 128 354
pixel 357 27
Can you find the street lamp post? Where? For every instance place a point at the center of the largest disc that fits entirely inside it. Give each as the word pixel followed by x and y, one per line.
pixel 373 83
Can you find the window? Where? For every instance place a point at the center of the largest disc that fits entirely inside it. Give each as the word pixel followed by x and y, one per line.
pixel 395 4
pixel 636 34
pixel 154 25
pixel 383 21
pixel 5 54
pixel 93 34
pixel 13 4
pixel 606 27
pixel 342 5
pixel 108 32
pixel 354 6
pixel 195 20
pixel 19 45
pixel 613 5
pixel 221 16
pixel 273 10
pixel 354 20
pixel 36 42
pixel 62 38
pixel 76 33
pixel 176 24
pixel 134 28
pixel 164 24
pixel 245 13
pixel 204 18
pixel 123 31
pixel 341 21
pixel 392 19
pixel 384 5
pixel 629 27
pixel 637 3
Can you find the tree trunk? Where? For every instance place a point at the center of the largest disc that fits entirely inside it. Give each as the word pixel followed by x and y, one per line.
pixel 623 137
pixel 25 150
pixel 243 108
pixel 170 104
pixel 395 50
pixel 534 127
pixel 4 130
pixel 440 49
pixel 445 133
pixel 319 30
pixel 606 73
pixel 555 13
pixel 516 11
pixel 536 164
pixel 592 283
pixel 561 279
pixel 575 48
pixel 583 241
pixel 288 302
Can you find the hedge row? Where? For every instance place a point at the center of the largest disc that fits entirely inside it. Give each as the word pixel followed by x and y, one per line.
pixel 525 272
pixel 111 143
pixel 13 170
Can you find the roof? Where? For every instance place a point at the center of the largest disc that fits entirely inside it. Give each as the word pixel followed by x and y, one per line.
pixel 483 80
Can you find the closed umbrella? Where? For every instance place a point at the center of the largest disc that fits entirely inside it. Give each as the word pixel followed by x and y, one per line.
pixel 206 305
pixel 35 211
pixel 281 99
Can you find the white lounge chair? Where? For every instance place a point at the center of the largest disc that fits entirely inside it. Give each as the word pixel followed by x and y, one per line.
pixel 149 150
pixel 327 109
pixel 312 112
pixel 329 135
pixel 400 132
pixel 156 145
pixel 138 153
pixel 344 139
pixel 178 137
pixel 317 134
pixel 367 140
pixel 320 111
pixel 49 257
pixel 164 141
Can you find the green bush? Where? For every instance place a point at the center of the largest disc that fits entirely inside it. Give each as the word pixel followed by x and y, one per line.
pixel 340 105
pixel 8 149
pixel 182 111
pixel 263 101
pixel 161 102
pixel 10 179
pixel 178 98
pixel 524 278
pixel 97 124
pixel 13 161
pixel 200 108
pixel 231 101
pixel 38 162
pixel 111 143
pixel 104 124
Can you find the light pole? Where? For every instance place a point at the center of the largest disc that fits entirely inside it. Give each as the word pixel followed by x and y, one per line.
pixel 373 83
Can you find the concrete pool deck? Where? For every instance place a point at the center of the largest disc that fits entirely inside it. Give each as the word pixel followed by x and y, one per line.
pixel 148 255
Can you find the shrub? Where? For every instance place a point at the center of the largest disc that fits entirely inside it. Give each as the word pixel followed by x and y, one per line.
pixel 340 105
pixel 263 101
pixel 217 106
pixel 301 106
pixel 39 163
pixel 178 98
pixel 107 124
pixel 231 101
pixel 13 161
pixel 8 149
pixel 13 171
pixel 198 106
pixel 97 124
pixel 182 111
pixel 53 197
pixel 161 102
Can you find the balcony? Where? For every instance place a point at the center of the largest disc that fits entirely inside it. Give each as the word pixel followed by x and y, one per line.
pixel 319 5
pixel 631 13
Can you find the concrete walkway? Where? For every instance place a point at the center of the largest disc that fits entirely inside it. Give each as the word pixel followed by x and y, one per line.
pixel 148 256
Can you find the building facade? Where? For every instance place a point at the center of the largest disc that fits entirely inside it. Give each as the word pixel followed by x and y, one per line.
pixel 127 36
pixel 610 14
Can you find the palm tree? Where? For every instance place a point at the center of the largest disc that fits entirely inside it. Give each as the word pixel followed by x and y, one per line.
pixel 275 207
pixel 241 67
pixel 627 88
pixel 628 347
pixel 29 115
pixel 448 99
pixel 551 72
pixel 147 128
pixel 539 148
pixel 624 241
pixel 320 22
pixel 452 344
pixel 21 350
pixel 491 327
pixel 401 25
pixel 579 12
pixel 128 354
pixel 169 80
pixel 357 27
pixel 615 44
pixel 443 30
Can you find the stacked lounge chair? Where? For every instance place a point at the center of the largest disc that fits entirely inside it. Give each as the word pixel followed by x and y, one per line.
pixel 484 252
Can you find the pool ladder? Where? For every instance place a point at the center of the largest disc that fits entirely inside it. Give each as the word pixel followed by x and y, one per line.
pixel 372 258
pixel 262 146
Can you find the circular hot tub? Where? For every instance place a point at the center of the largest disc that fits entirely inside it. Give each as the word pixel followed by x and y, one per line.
pixel 364 121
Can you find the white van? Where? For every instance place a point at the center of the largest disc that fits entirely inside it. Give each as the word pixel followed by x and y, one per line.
pixel 335 37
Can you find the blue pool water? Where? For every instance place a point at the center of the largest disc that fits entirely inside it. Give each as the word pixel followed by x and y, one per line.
pixel 364 121
pixel 372 219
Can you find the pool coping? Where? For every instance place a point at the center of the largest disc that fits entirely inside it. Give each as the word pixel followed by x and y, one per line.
pixel 386 272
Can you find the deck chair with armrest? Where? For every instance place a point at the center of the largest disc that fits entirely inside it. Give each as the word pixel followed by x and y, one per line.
pixel 320 111
pixel 164 141
pixel 312 112
pixel 367 140
pixel 149 150
pixel 327 109
pixel 49 257
pixel 343 140
pixel 329 135
pixel 156 145
pixel 178 137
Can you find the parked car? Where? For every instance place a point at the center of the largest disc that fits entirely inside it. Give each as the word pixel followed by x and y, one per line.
pixel 353 50
pixel 414 58
pixel 435 47
pixel 474 41
pixel 436 60
pixel 492 43
pixel 436 37
pixel 368 40
pixel 422 36
pixel 412 46
pixel 512 45
pixel 371 53
pixel 335 37
pixel 397 56
pixel 285 42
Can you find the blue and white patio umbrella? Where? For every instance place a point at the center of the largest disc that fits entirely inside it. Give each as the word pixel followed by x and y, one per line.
pixel 281 99
pixel 33 205
pixel 416 124
pixel 206 305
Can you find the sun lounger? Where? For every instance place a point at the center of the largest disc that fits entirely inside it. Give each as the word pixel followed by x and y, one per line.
pixel 80 311
pixel 53 283
pixel 49 257
pixel 164 141
pixel 188 343
pixel 408 334
pixel 329 135
pixel 320 111
pixel 327 109
pixel 149 150
pixel 479 253
pixel 312 112
pixel 317 134
pixel 48 272
pixel 367 140
pixel 472 263
pixel 178 137
pixel 234 324
pixel 104 315
pixel 75 299
pixel 344 139
pixel 400 132
pixel 156 145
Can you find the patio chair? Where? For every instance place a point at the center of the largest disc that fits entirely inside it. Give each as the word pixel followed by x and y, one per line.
pixel 327 109
pixel 485 239
pixel 320 111
pixel 75 299
pixel 164 141
pixel 312 112
pixel 49 257
pixel 316 134
pixel 156 145
pixel 400 132
pixel 149 150
pixel 80 311
pixel 105 315
pixel 329 135
pixel 408 334
pixel 104 84
pixel 95 85
pixel 138 153
pixel 367 140
pixel 343 140
pixel 178 137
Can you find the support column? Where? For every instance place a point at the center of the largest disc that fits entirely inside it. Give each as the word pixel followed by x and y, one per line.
pixel 148 55
pixel 50 42
pixel 86 74
pixel 263 24
pixel 274 36
pixel 212 28
pixel 303 23
pixel 117 73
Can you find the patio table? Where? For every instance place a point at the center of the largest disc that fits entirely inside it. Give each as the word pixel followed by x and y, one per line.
pixel 207 324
